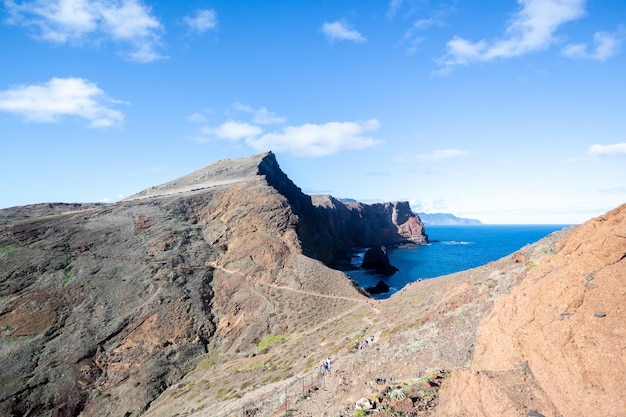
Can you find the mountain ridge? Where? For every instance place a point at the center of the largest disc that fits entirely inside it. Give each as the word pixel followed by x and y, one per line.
pixel 208 254
pixel 213 298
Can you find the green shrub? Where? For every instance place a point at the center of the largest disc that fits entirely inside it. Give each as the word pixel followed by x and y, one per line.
pixel 68 273
pixel 7 250
pixel 426 394
pixel 397 393
pixel 270 340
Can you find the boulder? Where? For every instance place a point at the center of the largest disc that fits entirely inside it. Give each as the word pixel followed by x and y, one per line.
pixel 376 259
pixel 363 404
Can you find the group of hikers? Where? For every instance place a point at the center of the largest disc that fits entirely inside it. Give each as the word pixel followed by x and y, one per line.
pixel 360 344
pixel 327 363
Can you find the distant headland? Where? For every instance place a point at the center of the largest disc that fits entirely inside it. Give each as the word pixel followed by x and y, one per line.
pixel 445 219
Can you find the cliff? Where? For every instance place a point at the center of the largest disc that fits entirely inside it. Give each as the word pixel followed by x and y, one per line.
pixel 555 345
pixel 103 307
pixel 211 295
pixel 343 225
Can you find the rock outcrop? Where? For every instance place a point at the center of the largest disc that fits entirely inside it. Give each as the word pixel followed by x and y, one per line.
pixel 376 259
pixel 555 345
pixel 211 295
pixel 343 225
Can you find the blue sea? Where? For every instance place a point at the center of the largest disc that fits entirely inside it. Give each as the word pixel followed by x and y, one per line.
pixel 452 249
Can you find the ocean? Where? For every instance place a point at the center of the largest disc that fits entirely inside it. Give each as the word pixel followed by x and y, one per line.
pixel 452 249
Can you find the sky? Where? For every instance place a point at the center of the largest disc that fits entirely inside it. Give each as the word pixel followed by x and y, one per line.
pixel 510 112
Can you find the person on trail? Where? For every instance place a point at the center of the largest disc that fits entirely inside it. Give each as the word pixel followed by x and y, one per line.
pixel 329 363
pixel 356 344
pixel 324 366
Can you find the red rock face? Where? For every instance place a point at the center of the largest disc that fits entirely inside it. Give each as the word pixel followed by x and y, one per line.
pixel 556 344
pixel 413 230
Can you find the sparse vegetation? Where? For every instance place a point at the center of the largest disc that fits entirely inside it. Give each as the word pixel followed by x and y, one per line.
pixel 68 271
pixel 267 342
pixel 397 393
pixel 7 250
pixel 426 394
pixel 360 413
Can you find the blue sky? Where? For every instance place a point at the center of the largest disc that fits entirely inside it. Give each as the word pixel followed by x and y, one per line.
pixel 505 111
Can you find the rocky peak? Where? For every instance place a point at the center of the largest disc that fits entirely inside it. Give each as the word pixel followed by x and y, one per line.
pixel 268 167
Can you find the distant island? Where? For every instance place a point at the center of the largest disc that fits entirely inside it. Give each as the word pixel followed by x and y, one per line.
pixel 445 219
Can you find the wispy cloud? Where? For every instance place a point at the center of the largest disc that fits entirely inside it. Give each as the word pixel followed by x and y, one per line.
pixel 616 149
pixel 262 132
pixel 313 140
pixel 394 7
pixel 434 156
pixel 414 37
pixel 196 117
pixel 605 46
pixel 61 97
pixel 531 29
pixel 80 21
pixel 261 115
pixel 340 30
pixel 202 20
pixel 233 130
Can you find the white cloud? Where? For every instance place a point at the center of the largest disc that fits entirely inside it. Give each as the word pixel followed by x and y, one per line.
pixel 233 130
pixel 196 118
pixel 202 21
pixel 312 140
pixel 261 116
pixel 434 156
pixel 531 29
pixel 341 31
pixel 242 107
pixel 78 21
pixel 58 21
pixel 616 149
pixel 394 6
pixel 413 36
pixel 307 140
pixel 61 97
pixel 605 45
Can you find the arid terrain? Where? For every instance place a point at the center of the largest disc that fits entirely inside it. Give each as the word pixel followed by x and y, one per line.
pixel 217 295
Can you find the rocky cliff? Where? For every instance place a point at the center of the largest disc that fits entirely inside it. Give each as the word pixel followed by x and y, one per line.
pixel 556 345
pixel 211 295
pixel 103 307
pixel 343 225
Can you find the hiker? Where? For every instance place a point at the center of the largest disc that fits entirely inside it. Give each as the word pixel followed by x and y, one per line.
pixel 324 366
pixel 329 363
pixel 356 345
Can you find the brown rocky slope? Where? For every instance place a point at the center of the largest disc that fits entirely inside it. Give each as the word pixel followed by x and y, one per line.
pixel 103 307
pixel 556 345
pixel 211 296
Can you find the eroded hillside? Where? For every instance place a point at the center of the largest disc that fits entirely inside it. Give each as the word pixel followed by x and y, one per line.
pixel 556 345
pixel 103 307
pixel 212 295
